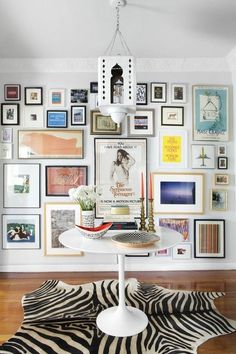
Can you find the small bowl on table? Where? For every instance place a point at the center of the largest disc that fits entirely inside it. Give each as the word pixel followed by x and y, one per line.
pixel 94 232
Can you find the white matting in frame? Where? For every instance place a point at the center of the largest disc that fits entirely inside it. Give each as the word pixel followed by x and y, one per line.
pixel 173 148
pixel 33 117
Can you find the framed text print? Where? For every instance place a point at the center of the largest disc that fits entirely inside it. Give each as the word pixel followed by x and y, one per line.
pixel 173 148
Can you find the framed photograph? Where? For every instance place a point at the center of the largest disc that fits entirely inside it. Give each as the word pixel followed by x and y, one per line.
pixel 20 231
pixel 178 93
pixel 173 116
pixel 209 238
pixel 218 199
pixel 211 113
pixel 78 115
pixel 180 193
pixel 57 119
pixel 118 165
pixel 33 95
pixel 6 135
pixel 59 179
pixel 203 156
pixel 180 225
pixel 55 144
pixel 79 96
pixel 59 217
pixel 6 151
pixel 103 125
pixel 173 148
pixel 158 92
pixel 142 123
pixel 93 87
pixel 12 92
pixel 182 251
pixel 57 97
pixel 141 94
pixel 222 163
pixel 10 114
pixel 21 185
pixel 33 117
pixel 222 179
pixel 163 253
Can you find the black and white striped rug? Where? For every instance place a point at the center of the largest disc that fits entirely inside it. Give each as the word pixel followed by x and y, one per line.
pixel 61 318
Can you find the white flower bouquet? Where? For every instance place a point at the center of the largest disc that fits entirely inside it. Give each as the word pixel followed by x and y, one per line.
pixel 85 196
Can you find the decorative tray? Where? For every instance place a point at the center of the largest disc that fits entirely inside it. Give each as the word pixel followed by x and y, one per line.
pixel 135 239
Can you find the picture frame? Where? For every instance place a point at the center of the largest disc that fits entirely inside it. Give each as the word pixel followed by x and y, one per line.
pixel 203 156
pixel 173 148
pixel 210 112
pixel 57 144
pixel 6 151
pixel 57 119
pixel 172 116
pixel 221 150
pixel 59 179
pixel 94 87
pixel 141 94
pixel 78 115
pixel 103 125
pixel 158 92
pixel 57 97
pixel 21 231
pixel 178 193
pixel 222 163
pixel 178 93
pixel 10 113
pixel 209 238
pixel 12 92
pixel 79 96
pixel 142 123
pixel 182 251
pixel 21 185
pixel 218 199
pixel 221 179
pixel 180 225
pixel 58 218
pixel 163 253
pixel 33 117
pixel 6 135
pixel 33 95
pixel 119 187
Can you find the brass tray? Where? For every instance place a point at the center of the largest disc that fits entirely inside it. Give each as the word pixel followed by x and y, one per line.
pixel 135 239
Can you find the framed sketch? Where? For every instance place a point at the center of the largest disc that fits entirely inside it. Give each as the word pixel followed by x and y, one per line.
pixel 12 92
pixel 57 119
pixel 93 87
pixel 59 217
pixel 57 144
pixel 158 92
pixel 209 238
pixel 79 96
pixel 178 193
pixel 57 97
pixel 210 113
pixel 118 165
pixel 6 135
pixel 221 150
pixel 203 156
pixel 21 185
pixel 103 125
pixel 171 115
pixel 221 179
pixel 6 151
pixel 21 231
pixel 182 251
pixel 141 94
pixel 218 199
pixel 178 93
pixel 59 179
pixel 78 115
pixel 173 148
pixel 179 225
pixel 33 95
pixel 10 114
pixel 222 163
pixel 142 123
pixel 33 117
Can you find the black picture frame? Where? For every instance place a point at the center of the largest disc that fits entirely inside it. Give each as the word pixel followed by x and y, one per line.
pixel 33 96
pixel 158 92
pixel 10 113
pixel 172 116
pixel 222 163
pixel 79 117
pixel 93 87
pixel 59 117
pixel 141 94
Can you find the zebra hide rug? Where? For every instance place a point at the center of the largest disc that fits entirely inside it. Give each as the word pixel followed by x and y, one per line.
pixel 61 318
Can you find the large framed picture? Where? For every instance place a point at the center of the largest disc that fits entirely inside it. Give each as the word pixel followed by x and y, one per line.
pixel 178 93
pixel 57 144
pixel 57 97
pixel 59 179
pixel 142 123
pixel 180 225
pixel 158 92
pixel 78 115
pixel 203 156
pixel 20 231
pixel 57 119
pixel 171 115
pixel 103 125
pixel 12 92
pixel 173 148
pixel 141 94
pixel 118 165
pixel 33 117
pixel 178 193
pixel 209 238
pixel 211 113
pixel 21 185
pixel 33 95
pixel 10 114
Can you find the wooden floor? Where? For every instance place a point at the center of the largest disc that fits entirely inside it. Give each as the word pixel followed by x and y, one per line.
pixel 14 285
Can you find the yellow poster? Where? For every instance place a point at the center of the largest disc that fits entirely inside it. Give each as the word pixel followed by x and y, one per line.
pixel 172 149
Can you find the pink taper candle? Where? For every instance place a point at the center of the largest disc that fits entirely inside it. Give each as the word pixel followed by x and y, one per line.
pixel 150 187
pixel 142 186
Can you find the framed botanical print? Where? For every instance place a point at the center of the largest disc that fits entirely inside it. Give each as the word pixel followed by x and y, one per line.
pixel 10 114
pixel 78 115
pixel 158 92
pixel 178 93
pixel 12 92
pixel 103 125
pixel 33 95
pixel 141 94
pixel 57 97
pixel 218 199
pixel 57 119
pixel 142 123
pixel 79 96
pixel 173 148
pixel 172 116
pixel 203 156
pixel 33 117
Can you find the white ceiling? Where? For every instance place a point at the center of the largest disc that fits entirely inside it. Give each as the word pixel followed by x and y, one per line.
pixel 83 28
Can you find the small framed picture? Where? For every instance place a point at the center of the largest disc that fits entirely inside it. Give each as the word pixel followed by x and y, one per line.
pixel 103 125
pixel 141 94
pixel 93 87
pixel 182 251
pixel 163 253
pixel 171 115
pixel 178 93
pixel 57 97
pixel 158 92
pixel 222 163
pixel 33 95
pixel 142 123
pixel 220 178
pixel 79 96
pixel 12 92
pixel 57 119
pixel 6 135
pixel 78 115
pixel 203 156
pixel 218 199
pixel 33 117
pixel 10 114
pixel 6 151
pixel 221 150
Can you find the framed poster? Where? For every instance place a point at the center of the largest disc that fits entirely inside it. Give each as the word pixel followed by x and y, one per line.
pixel 178 93
pixel 179 225
pixel 21 185
pixel 10 114
pixel 6 135
pixel 211 113
pixel 33 95
pixel 6 151
pixel 79 96
pixel 57 97
pixel 158 92
pixel 203 156
pixel 59 179
pixel 57 119
pixel 78 115
pixel 171 115
pixel 118 165
pixel 142 123
pixel 12 92
pixel 141 94
pixel 33 117
pixel 103 125
pixel 173 148
pixel 218 199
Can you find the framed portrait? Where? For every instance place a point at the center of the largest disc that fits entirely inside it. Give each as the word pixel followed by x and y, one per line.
pixel 141 94
pixel 33 95
pixel 182 251
pixel 178 93
pixel 173 148
pixel 59 217
pixel 21 231
pixel 142 123
pixel 21 185
pixel 59 179
pixel 179 225
pixel 33 117
pixel 57 144
pixel 10 114
pixel 221 150
pixel 218 199
pixel 6 135
pixel 203 156
pixel 78 115
pixel 103 125
pixel 57 119
pixel 158 92
pixel 180 193
pixel 93 87
pixel 57 97
pixel 118 165
pixel 221 179
pixel 171 115
pixel 210 113
pixel 79 96
pixel 12 92
pixel 209 238
pixel 222 163
pixel 6 151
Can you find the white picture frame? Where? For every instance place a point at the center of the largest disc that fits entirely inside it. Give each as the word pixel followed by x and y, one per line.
pixel 173 148
pixel 57 97
pixel 6 151
pixel 142 123
pixel 182 251
pixel 33 117
pixel 6 135
pixel 203 156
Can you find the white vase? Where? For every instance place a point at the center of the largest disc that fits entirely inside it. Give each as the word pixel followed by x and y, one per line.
pixel 87 218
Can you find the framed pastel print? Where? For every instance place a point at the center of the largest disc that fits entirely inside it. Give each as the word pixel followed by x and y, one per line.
pixel 221 150
pixel 33 95
pixel 211 113
pixel 218 199
pixel 209 238
pixel 173 116
pixel 6 135
pixel 141 94
pixel 94 87
pixel 180 225
pixel 21 185
pixel 6 151
pixel 59 179
pixel 21 231
pixel 57 97
pixel 221 179
pixel 173 148
pixel 103 125
pixel 59 217
pixel 33 117
pixel 182 251
pixel 10 114
pixel 158 92
pixel 12 92
pixel 57 119
pixel 178 93
pixel 203 156
pixel 142 123
pixel 79 96
pixel 222 163
pixel 180 193
pixel 78 115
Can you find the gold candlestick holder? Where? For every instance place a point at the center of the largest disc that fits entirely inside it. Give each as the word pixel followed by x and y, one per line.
pixel 151 223
pixel 142 216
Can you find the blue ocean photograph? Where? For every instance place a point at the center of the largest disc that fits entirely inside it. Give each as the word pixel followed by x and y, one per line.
pixel 177 192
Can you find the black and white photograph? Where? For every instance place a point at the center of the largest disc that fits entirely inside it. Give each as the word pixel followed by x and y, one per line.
pixel 10 114
pixel 78 96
